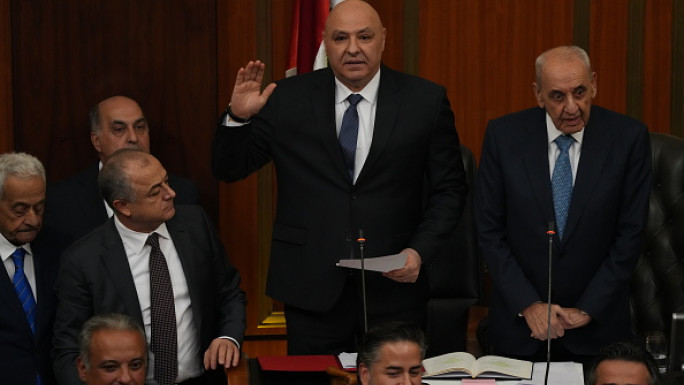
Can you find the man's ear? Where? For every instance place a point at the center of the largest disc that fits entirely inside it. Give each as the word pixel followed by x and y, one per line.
pixel 80 366
pixel 537 94
pixel 121 206
pixel 364 374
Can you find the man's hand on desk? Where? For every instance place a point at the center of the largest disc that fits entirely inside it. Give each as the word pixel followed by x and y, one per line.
pixel 408 273
pixel 222 352
pixel 573 318
pixel 536 317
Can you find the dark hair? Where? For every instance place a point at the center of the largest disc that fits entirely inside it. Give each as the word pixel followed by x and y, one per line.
pixel 114 179
pixel 625 351
pixel 377 337
pixel 113 321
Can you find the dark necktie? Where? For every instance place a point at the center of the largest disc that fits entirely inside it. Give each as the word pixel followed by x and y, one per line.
pixel 349 132
pixel 561 182
pixel 164 342
pixel 23 288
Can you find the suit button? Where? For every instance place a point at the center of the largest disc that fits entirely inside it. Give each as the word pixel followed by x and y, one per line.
pixel 354 196
pixel 348 239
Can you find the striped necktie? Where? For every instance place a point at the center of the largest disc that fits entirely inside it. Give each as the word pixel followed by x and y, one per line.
pixel 23 288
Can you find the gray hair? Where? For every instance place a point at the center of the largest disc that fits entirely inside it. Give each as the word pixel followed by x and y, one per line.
pixel 565 52
pixel 377 337
pixel 95 119
pixel 114 180
pixel 113 321
pixel 19 164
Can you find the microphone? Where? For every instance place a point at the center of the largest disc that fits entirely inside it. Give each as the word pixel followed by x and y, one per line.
pixel 361 241
pixel 550 232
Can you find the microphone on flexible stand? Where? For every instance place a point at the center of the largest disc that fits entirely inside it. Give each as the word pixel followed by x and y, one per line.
pixel 361 241
pixel 550 232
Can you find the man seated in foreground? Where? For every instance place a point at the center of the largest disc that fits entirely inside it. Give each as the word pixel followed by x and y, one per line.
pixel 112 351
pixel 391 353
pixel 623 363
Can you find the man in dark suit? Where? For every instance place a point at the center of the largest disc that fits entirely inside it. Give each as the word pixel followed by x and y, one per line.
pixel 151 248
pixel 406 190
pixel 74 206
pixel 26 287
pixel 587 170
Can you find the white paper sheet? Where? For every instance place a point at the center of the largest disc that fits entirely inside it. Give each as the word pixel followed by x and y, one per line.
pixel 381 264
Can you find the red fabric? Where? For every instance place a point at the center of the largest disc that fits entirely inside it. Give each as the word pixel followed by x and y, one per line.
pixel 298 363
pixel 308 21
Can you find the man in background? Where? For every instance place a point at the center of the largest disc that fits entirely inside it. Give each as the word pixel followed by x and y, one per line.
pixel 112 350
pixel 581 175
pixel 161 264
pixel 74 206
pixel 26 286
pixel 391 354
pixel 623 363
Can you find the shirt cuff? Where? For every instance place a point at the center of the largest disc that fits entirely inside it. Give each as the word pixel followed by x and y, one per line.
pixel 232 339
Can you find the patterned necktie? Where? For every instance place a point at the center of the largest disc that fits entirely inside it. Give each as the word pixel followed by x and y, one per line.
pixel 561 182
pixel 164 343
pixel 23 288
pixel 349 132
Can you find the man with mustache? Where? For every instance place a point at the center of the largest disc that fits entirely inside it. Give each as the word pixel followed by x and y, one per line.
pixel 26 295
pixel 357 146
pixel 586 171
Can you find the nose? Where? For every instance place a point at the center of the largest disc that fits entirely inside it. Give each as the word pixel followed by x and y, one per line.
pixel 132 136
pixel 405 379
pixel 170 193
pixel 353 45
pixel 32 218
pixel 124 377
pixel 571 106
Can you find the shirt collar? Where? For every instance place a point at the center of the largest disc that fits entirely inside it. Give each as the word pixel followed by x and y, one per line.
pixel 134 241
pixel 369 92
pixel 7 248
pixel 552 132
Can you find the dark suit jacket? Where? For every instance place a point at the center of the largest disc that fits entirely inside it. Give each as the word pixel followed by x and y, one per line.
pixel 74 207
pixel 24 354
pixel 95 278
pixel 593 262
pixel 320 212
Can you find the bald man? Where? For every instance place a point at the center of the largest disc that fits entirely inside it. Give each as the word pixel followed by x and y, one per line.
pixel 74 207
pixel 395 172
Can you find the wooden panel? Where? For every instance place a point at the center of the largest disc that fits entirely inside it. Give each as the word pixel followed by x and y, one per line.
pixel 6 122
pixel 657 65
pixel 484 52
pixel 70 54
pixel 391 14
pixel 608 52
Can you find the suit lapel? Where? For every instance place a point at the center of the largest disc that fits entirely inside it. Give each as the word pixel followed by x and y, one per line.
pixel 9 297
pixel 386 113
pixel 323 103
pixel 595 152
pixel 534 150
pixel 89 195
pixel 183 243
pixel 115 262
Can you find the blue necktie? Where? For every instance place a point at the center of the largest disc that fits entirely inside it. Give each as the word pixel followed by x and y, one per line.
pixel 349 132
pixel 23 288
pixel 561 182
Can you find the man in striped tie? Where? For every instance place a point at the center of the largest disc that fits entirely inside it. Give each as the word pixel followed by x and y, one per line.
pixel 26 293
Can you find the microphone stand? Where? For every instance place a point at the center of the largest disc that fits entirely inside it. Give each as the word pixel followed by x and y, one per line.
pixel 361 241
pixel 550 233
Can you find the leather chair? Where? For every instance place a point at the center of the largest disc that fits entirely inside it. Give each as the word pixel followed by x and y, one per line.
pixel 455 278
pixel 658 280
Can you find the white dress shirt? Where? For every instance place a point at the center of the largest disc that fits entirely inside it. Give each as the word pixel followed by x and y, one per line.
pixel 573 152
pixel 138 255
pixel 366 110
pixel 6 251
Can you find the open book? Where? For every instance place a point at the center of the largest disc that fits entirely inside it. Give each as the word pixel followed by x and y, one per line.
pixel 462 364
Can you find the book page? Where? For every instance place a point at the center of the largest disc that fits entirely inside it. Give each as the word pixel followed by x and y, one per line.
pixel 458 361
pixel 508 366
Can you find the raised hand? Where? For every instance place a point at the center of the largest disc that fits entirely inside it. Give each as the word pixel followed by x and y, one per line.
pixel 247 98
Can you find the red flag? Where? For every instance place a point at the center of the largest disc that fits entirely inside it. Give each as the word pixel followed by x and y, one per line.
pixel 308 21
